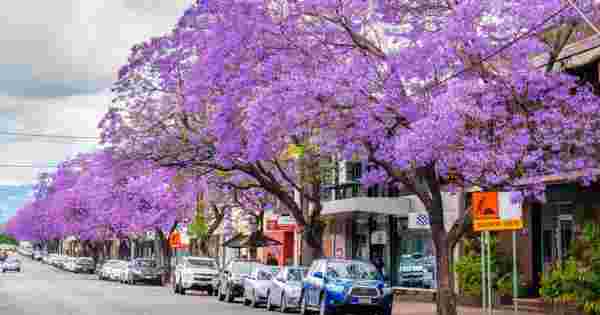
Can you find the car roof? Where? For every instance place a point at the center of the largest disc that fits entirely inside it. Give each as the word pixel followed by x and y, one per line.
pixel 199 257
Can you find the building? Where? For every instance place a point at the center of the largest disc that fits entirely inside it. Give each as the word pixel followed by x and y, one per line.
pixel 380 222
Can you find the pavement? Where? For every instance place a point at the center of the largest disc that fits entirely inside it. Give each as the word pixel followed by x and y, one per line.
pixel 42 289
pixel 418 308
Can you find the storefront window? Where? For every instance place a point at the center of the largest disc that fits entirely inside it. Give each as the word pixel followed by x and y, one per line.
pixel 361 239
pixel 415 259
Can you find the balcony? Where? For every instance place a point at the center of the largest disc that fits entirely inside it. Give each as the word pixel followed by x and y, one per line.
pixel 379 205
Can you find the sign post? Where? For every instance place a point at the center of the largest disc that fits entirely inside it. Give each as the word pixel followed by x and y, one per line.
pixel 494 211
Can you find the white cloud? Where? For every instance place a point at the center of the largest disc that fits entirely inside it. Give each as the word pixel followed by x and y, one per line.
pixel 58 59
pixel 76 42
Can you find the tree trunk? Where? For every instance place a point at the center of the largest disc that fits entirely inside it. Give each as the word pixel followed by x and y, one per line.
pixel 202 245
pixel 446 300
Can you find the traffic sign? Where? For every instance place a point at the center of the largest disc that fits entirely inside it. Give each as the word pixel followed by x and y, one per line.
pixel 175 239
pixel 493 211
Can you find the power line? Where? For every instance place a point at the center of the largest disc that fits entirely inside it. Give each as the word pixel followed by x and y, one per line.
pixel 27 166
pixel 40 135
pixel 504 47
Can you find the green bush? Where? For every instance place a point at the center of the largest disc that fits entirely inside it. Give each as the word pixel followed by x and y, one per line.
pixel 468 269
pixel 577 280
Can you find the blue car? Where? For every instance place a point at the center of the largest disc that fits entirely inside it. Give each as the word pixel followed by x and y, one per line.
pixel 340 286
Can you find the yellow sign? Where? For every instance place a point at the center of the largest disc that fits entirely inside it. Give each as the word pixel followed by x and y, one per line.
pixel 497 225
pixel 486 213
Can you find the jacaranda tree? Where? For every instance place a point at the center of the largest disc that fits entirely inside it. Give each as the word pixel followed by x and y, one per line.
pixel 437 95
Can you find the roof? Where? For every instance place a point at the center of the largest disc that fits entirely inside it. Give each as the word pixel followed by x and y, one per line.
pixel 254 240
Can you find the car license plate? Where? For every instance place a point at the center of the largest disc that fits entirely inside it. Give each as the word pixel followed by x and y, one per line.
pixel 364 300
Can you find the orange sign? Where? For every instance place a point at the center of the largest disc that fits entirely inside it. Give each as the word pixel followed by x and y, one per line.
pixel 485 206
pixel 175 239
pixel 497 225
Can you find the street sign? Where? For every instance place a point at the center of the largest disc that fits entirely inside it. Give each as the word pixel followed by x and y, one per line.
pixel 493 211
pixel 485 205
pixel 175 239
pixel 418 220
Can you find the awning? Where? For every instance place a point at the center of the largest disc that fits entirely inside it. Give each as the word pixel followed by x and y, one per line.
pixel 253 240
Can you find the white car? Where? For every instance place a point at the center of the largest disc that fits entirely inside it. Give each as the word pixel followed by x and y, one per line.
pixel 195 273
pixel 11 263
pixel 69 264
pixel 106 269
pixel 116 269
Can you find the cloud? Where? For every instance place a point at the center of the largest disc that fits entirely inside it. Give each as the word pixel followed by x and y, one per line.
pixel 71 46
pixel 57 63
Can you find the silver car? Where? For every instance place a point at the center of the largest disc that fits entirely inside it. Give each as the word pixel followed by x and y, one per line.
pixel 257 284
pixel 11 264
pixel 195 273
pixel 286 289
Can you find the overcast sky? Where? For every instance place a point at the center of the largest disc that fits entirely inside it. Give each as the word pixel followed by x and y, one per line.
pixel 57 63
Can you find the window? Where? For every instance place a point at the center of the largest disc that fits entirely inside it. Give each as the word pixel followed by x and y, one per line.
pixel 351 270
pixel 296 274
pixel 200 263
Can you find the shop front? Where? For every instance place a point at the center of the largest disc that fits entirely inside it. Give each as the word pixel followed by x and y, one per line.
pixel 281 228
pixel 395 230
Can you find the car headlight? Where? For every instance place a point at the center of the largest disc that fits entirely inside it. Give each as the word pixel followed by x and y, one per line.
pixel 295 291
pixel 337 288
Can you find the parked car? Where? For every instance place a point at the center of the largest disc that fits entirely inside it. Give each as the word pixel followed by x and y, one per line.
pixel 195 273
pixel 48 259
pixel 286 286
pixel 11 263
pixel 256 285
pixel 60 261
pixel 416 271
pixel 117 269
pixel 231 278
pixel 341 286
pixel 83 265
pixel 141 270
pixel 37 255
pixel 107 269
pixel 69 264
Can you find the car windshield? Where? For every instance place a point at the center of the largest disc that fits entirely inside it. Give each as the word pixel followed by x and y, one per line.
pixel 266 273
pixel 352 270
pixel 205 263
pixel 243 268
pixel 296 274
pixel 145 263
pixel 85 261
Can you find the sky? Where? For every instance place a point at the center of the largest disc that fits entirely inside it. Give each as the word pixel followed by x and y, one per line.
pixel 57 63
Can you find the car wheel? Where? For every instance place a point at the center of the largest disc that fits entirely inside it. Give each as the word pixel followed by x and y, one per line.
pixel 210 292
pixel 304 306
pixel 269 305
pixel 229 296
pixel 220 294
pixel 283 303
pixel 254 301
pixel 181 289
pixel 175 287
pixel 323 307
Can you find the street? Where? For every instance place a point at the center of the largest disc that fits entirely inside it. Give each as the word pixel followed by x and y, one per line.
pixel 42 289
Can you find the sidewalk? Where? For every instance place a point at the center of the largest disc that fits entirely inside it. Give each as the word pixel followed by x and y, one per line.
pixel 422 308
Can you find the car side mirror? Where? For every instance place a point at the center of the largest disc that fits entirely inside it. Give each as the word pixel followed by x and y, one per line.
pixel 318 275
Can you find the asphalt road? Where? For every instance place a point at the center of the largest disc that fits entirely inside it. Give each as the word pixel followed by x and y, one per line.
pixel 44 290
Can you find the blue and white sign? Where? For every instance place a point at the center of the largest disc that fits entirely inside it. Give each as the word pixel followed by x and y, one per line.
pixel 418 220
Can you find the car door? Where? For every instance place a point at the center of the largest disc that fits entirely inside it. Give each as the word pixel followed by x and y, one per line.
pixel 249 283
pixel 311 283
pixel 277 286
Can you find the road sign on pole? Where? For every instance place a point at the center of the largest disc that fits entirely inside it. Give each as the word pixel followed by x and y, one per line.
pixel 494 211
